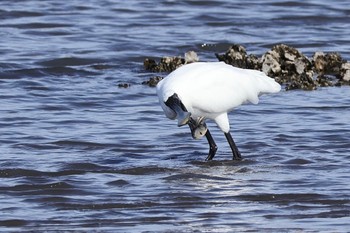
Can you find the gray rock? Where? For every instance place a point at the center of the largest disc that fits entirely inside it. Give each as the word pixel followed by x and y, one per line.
pixel 284 63
pixel 270 63
pixel 345 71
pixel 168 64
pixel 327 63
pixel 288 66
pixel 153 81
pixel 190 57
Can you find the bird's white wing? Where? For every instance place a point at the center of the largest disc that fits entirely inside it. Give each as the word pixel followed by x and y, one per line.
pixel 217 87
pixel 213 88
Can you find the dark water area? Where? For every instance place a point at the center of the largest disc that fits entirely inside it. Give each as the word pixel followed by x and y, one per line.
pixel 79 154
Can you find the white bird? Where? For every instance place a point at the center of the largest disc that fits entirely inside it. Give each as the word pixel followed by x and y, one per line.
pixel 209 90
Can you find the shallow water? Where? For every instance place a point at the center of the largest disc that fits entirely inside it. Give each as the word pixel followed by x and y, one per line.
pixel 80 154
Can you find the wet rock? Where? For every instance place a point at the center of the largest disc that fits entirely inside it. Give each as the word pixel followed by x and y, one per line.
pixel 327 63
pixel 285 60
pixel 331 68
pixel 271 65
pixel 150 65
pixel 289 66
pixel 168 64
pixel 153 81
pixel 237 56
pixel 345 72
pixel 325 81
pixel 253 62
pixel 123 85
pixel 344 75
pixel 190 57
pixel 303 81
pixel 319 62
pixel 284 63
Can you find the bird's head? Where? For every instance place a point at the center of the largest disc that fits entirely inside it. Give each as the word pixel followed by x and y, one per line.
pixel 199 131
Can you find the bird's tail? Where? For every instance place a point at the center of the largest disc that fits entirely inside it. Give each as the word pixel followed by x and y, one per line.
pixel 259 84
pixel 265 84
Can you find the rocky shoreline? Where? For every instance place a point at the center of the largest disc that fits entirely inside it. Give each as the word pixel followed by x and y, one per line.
pixel 289 66
pixel 285 64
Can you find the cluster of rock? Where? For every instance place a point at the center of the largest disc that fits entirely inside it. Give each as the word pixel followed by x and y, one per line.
pixel 153 81
pixel 168 64
pixel 289 66
pixel 284 63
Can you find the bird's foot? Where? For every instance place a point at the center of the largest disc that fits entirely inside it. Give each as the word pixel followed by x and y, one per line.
pixel 212 152
pixel 237 156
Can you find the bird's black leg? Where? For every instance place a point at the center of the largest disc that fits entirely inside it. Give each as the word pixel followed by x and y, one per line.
pixel 235 151
pixel 212 146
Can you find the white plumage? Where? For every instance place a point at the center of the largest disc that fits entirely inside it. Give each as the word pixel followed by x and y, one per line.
pixel 209 90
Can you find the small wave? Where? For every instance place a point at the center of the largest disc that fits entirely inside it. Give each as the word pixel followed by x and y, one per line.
pixel 15 14
pixel 40 188
pixel 44 72
pixel 17 172
pixel 13 223
pixel 80 144
pixel 118 183
pixel 70 61
pixel 38 25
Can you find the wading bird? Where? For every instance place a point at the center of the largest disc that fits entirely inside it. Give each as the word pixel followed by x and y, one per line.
pixel 209 90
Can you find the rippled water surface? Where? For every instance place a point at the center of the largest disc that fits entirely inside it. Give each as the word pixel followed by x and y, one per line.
pixel 79 154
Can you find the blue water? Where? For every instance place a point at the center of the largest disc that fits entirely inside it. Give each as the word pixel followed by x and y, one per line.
pixel 80 154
